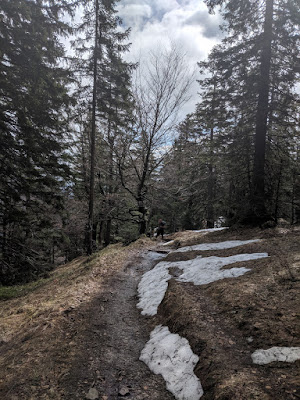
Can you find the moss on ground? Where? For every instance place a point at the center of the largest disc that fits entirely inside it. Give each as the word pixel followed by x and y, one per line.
pixel 12 292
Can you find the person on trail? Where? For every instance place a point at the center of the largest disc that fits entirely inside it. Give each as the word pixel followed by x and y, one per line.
pixel 160 228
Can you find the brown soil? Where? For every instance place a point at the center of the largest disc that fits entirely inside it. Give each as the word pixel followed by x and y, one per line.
pixel 82 329
pixel 112 337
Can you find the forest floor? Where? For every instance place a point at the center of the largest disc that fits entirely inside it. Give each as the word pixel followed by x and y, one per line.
pixel 79 334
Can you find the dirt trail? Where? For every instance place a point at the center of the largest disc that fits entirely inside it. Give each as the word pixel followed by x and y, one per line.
pixel 111 342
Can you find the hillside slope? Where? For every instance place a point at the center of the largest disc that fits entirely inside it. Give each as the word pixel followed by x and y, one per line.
pixel 227 320
pixel 79 334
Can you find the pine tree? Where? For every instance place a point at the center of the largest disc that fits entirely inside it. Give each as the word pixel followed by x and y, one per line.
pixel 110 107
pixel 181 186
pixel 213 124
pixel 260 55
pixel 33 112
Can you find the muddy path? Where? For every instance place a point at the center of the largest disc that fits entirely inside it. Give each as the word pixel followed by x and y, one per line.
pixel 111 339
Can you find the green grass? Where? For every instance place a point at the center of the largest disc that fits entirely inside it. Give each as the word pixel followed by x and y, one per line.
pixel 11 292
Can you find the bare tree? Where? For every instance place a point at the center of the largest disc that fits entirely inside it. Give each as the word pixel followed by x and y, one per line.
pixel 161 88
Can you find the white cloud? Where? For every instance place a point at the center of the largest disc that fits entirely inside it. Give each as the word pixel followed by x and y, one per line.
pixel 156 23
pixel 135 14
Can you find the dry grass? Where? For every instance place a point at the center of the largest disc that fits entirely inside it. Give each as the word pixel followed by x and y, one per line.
pixel 36 330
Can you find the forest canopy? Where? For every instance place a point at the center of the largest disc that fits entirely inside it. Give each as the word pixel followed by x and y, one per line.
pixel 92 151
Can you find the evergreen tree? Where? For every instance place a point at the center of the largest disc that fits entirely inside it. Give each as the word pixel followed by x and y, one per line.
pixel 111 103
pixel 227 179
pixel 260 56
pixel 33 111
pixel 213 125
pixel 181 185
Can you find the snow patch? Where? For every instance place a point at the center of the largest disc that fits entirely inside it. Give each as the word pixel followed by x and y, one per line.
pixel 152 288
pixel 216 246
pixel 170 355
pixel 200 271
pixel 154 255
pixel 284 354
pixel 211 229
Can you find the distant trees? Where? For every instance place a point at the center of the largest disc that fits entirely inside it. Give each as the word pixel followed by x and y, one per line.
pixel 180 198
pixel 212 123
pixel 34 103
pixel 134 122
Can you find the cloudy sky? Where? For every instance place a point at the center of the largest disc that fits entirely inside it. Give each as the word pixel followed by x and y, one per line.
pixel 157 22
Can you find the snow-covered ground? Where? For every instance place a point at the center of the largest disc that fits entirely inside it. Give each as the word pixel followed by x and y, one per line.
pixel 152 288
pixel 200 271
pixel 170 355
pixel 216 246
pixel 283 354
pixel 212 229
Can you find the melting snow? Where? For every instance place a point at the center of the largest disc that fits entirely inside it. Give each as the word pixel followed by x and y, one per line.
pixel 200 271
pixel 285 354
pixel 211 229
pixel 216 246
pixel 152 288
pixel 170 355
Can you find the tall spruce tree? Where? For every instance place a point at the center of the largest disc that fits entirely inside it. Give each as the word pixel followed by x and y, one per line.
pixel 227 179
pixel 109 82
pixel 212 122
pixel 33 114
pixel 260 54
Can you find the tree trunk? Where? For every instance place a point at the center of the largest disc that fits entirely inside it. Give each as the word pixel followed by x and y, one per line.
pixel 100 234
pixel 210 205
pixel 111 142
pixel 143 211
pixel 295 206
pixel 93 134
pixel 3 241
pixel 258 211
pixel 211 178
pixel 278 192
pixel 94 234
pixel 107 232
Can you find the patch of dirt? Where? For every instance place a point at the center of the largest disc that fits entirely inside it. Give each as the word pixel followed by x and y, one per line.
pixel 111 341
